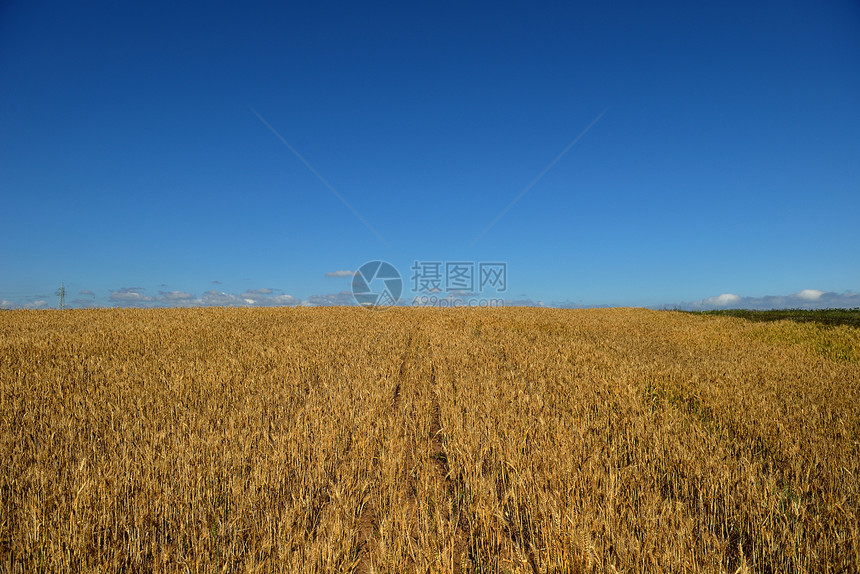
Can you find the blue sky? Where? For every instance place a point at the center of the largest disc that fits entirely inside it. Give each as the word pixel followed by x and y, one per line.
pixel 134 168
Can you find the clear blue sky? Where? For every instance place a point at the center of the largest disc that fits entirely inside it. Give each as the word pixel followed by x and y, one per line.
pixel 134 169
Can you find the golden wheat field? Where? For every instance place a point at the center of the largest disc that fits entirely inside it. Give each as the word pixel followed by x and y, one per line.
pixel 422 440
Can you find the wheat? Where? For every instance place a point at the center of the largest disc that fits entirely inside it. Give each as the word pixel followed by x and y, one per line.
pixel 419 440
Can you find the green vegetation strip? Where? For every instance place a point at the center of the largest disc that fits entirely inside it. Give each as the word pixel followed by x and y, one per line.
pixel 830 317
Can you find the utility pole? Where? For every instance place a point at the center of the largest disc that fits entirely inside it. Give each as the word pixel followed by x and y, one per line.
pixel 62 293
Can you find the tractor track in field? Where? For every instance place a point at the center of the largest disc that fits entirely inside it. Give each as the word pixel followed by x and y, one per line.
pixel 453 487
pixel 410 391
pixel 436 464
pixel 368 520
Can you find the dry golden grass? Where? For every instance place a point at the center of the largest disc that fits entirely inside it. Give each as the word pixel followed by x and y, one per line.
pixel 419 440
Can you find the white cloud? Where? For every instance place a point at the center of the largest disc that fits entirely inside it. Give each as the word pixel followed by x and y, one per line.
pixel 805 299
pixel 264 298
pixel 344 298
pixel 343 273
pixel 178 299
pixel 130 296
pixel 810 294
pixel 250 298
pixel 137 297
pixel 524 302
pixel 220 299
pixel 579 305
pixel 283 300
pixel 176 296
pixel 723 300
pixel 87 293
